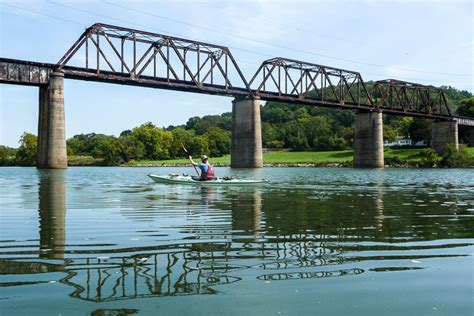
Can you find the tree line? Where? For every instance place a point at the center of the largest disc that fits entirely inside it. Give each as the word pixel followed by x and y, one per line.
pixel 284 126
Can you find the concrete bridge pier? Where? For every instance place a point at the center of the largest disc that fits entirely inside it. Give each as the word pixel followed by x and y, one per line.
pixel 246 149
pixel 368 140
pixel 52 152
pixel 442 134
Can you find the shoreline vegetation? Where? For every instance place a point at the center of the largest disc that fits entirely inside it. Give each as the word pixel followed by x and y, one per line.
pixel 399 157
pixel 292 135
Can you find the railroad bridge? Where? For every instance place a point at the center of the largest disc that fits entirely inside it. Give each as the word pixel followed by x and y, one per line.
pixel 113 54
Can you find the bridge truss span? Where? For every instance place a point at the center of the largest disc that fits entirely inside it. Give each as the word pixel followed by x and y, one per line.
pixel 401 97
pixel 298 81
pixel 114 54
pixel 121 55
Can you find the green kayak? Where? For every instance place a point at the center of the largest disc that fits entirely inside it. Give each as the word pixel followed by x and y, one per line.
pixel 185 179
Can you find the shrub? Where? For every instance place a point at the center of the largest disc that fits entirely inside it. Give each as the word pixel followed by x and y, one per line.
pixel 394 161
pixel 457 158
pixel 429 158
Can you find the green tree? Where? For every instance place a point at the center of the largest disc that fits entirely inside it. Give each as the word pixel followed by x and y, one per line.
pixel 271 136
pixel 110 150
pixel 276 113
pixel 219 141
pixel 26 154
pixel 420 130
pixel 466 108
pixel 389 133
pixel 457 158
pixel 198 145
pixel 295 136
pixel 201 125
pixel 7 156
pixel 399 124
pixel 130 148
pixel 181 137
pixel 156 140
pixel 454 96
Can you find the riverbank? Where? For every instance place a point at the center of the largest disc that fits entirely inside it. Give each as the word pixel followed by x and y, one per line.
pixel 402 157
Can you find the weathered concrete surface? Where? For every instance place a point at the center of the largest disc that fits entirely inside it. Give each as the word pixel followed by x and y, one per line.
pixel 368 140
pixel 42 126
pixel 52 152
pixel 246 150
pixel 442 134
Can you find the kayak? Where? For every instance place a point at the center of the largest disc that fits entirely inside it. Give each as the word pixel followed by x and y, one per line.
pixel 185 179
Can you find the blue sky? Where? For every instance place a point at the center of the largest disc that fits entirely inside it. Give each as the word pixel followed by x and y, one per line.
pixel 429 42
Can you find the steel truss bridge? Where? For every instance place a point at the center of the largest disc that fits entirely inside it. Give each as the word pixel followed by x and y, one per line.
pixel 113 54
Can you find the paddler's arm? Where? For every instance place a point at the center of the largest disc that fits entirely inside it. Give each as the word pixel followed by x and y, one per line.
pixel 192 161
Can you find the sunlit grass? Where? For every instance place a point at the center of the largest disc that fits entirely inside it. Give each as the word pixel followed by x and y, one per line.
pixel 305 157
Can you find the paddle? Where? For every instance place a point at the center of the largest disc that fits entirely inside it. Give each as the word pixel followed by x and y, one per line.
pixel 187 153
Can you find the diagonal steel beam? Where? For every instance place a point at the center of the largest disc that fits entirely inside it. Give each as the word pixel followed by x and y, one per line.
pixel 116 52
pixel 102 53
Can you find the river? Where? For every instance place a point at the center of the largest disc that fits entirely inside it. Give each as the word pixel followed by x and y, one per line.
pixel 109 241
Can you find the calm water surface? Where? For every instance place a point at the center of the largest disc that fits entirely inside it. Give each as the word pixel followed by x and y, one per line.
pixel 109 241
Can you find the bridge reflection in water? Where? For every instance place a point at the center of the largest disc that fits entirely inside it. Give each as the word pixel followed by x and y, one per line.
pixel 52 214
pixel 258 239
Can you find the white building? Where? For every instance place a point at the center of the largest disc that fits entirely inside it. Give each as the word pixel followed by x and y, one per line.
pixel 404 141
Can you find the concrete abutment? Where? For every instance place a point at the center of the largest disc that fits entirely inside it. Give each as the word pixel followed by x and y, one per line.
pixel 368 140
pixel 246 149
pixel 442 134
pixel 52 153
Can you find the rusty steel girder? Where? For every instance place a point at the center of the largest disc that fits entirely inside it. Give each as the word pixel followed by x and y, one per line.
pixel 113 54
pixel 123 55
pixel 24 72
pixel 401 97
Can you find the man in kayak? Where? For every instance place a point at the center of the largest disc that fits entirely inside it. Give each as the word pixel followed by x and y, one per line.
pixel 207 172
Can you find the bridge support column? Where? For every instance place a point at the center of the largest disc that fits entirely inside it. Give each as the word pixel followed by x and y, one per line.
pixel 246 150
pixel 442 134
pixel 368 140
pixel 52 152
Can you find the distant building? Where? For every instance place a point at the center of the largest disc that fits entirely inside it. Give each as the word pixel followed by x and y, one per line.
pixel 404 141
pixel 420 143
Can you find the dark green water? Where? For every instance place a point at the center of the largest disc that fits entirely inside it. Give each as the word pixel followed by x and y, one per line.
pixel 109 241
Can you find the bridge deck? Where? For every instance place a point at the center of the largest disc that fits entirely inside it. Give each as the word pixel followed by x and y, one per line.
pixel 23 72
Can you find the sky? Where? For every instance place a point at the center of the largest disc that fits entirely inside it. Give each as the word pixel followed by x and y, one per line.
pixel 427 42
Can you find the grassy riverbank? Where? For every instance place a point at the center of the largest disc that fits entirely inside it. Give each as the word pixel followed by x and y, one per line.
pixel 409 156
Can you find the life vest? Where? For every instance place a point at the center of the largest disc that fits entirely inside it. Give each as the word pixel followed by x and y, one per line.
pixel 209 174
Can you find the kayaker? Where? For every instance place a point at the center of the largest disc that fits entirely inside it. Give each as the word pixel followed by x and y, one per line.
pixel 207 172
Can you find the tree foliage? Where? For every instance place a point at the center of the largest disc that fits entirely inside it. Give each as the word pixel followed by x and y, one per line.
pixel 7 156
pixel 456 158
pixel 26 154
pixel 466 108
pixel 284 126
